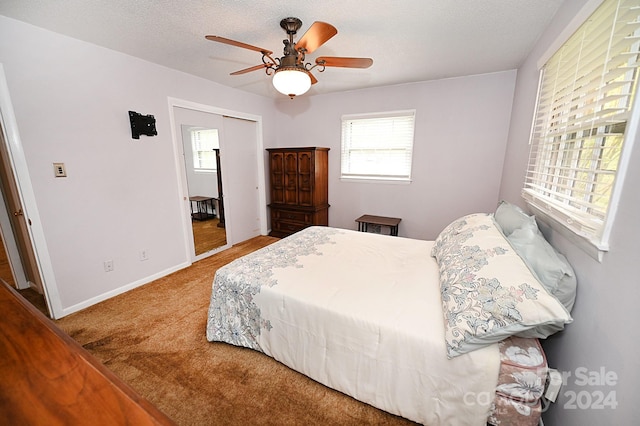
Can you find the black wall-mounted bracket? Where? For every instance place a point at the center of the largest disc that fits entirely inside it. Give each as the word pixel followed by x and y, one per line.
pixel 142 125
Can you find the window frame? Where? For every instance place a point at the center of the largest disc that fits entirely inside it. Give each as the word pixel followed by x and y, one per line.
pixel 594 245
pixel 347 176
pixel 194 151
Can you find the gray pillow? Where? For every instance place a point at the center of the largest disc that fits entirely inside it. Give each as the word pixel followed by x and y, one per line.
pixel 511 217
pixel 566 292
pixel 550 267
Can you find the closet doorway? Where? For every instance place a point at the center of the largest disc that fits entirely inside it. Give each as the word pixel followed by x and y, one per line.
pixel 232 191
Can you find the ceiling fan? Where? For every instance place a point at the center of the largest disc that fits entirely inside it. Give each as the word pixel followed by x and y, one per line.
pixel 291 75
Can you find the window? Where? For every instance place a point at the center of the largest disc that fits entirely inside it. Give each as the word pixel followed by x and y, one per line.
pixel 377 146
pixel 203 142
pixel 583 113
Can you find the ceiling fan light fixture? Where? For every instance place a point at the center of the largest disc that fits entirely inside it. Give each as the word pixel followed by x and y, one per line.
pixel 291 81
pixel 291 75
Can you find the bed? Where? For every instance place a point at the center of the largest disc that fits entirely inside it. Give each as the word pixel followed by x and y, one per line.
pixel 385 319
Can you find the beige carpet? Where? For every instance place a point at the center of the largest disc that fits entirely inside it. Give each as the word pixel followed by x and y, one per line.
pixel 153 338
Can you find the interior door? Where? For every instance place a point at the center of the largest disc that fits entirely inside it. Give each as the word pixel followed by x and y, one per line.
pixel 25 270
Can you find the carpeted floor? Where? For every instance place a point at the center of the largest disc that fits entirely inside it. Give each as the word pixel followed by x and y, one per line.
pixel 153 337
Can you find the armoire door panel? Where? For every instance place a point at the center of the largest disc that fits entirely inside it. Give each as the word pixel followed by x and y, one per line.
pixel 291 178
pixel 277 177
pixel 305 181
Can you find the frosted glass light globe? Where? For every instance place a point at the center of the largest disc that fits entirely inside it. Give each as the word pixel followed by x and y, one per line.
pixel 291 81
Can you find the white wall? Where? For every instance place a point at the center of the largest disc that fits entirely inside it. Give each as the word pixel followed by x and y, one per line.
pixel 605 331
pixel 71 100
pixel 460 138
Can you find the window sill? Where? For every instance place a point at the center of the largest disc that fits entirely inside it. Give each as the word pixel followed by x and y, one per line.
pixel 376 180
pixel 596 250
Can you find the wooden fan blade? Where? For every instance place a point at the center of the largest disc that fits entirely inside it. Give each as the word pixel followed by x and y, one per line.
pixel 334 61
pixel 246 70
pixel 238 44
pixel 314 80
pixel 316 36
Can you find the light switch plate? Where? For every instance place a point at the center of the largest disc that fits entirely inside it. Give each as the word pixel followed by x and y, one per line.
pixel 59 170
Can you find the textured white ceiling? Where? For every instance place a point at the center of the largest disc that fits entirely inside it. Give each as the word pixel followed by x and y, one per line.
pixel 409 40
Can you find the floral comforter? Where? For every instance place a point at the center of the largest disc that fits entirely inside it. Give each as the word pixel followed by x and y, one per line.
pixel 360 313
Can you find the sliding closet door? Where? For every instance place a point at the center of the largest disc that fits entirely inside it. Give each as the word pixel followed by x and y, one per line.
pixel 191 126
pixel 240 174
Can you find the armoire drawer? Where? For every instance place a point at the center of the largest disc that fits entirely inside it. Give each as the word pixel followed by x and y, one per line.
pixel 291 216
pixel 283 227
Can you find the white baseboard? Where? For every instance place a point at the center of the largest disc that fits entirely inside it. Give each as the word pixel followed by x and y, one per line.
pixel 108 295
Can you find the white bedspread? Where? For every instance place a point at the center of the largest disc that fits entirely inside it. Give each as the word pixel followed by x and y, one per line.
pixel 360 313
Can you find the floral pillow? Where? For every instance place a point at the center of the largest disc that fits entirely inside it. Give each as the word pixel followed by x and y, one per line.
pixel 488 292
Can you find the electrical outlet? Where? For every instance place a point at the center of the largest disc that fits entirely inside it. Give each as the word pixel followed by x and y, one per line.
pixel 144 255
pixel 108 265
pixel 554 385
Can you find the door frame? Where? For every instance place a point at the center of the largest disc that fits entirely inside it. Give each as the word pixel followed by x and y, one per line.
pixel 18 162
pixel 181 176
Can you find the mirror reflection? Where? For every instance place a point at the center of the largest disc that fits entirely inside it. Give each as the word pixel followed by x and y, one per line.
pixel 204 182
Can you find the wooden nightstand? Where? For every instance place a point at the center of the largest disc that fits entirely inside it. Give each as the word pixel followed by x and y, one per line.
pixel 365 220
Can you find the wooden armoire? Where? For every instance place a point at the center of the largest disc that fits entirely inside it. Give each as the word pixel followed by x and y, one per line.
pixel 299 189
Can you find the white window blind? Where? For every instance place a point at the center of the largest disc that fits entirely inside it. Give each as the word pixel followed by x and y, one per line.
pixel 578 134
pixel 203 142
pixel 377 146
